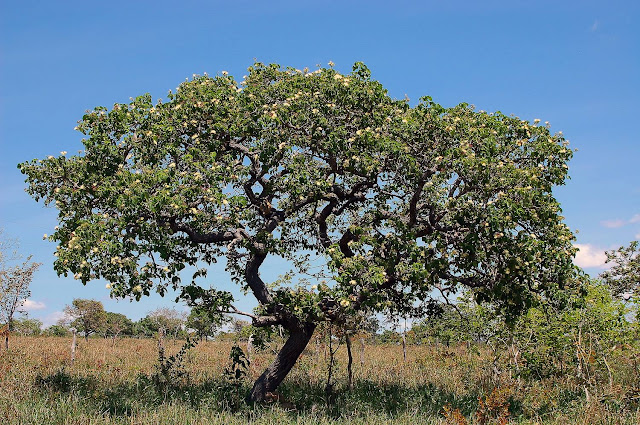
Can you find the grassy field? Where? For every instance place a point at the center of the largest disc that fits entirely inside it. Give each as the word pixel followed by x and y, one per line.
pixel 120 384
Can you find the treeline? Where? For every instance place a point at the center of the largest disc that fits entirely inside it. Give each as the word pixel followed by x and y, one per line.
pixel 89 318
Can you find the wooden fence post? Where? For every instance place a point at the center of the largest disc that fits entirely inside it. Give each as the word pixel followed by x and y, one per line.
pixel 73 346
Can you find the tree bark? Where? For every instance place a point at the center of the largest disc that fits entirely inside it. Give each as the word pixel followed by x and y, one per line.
pixel 299 337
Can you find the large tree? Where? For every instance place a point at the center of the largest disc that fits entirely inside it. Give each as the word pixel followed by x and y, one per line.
pixel 376 205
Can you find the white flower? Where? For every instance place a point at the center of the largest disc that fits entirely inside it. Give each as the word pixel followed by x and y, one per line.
pixel 63 153
pixel 225 73
pixel 108 286
pixel 44 236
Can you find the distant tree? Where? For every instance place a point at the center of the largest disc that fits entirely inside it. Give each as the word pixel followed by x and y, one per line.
pixel 358 323
pixel 238 326
pixel 624 277
pixel 56 330
pixel 145 327
pixel 116 324
pixel 87 316
pixel 388 336
pixel 169 320
pixel 203 322
pixel 28 327
pixel 15 278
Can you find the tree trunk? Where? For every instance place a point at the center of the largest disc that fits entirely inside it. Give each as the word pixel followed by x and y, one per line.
pixel 350 362
pixel 272 377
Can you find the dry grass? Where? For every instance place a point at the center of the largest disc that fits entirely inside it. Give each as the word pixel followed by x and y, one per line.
pixel 111 384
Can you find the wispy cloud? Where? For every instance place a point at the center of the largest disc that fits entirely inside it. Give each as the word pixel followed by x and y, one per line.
pixel 613 224
pixel 618 222
pixel 594 27
pixel 53 318
pixel 30 305
pixel 590 256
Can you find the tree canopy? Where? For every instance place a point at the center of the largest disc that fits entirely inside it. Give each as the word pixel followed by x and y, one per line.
pixel 378 205
pixel 624 276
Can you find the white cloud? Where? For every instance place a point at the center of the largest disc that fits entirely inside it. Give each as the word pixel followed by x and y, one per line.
pixel 590 256
pixel 613 224
pixel 52 318
pixel 635 219
pixel 595 26
pixel 638 236
pixel 30 305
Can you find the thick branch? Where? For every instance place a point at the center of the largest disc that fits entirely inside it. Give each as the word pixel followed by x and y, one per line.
pixel 255 282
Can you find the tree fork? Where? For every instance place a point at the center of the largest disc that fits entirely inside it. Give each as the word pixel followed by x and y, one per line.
pixel 286 358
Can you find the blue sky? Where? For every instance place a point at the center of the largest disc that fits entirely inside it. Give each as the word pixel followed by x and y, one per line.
pixel 575 64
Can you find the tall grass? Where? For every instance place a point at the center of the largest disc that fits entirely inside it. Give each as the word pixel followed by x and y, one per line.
pixel 112 384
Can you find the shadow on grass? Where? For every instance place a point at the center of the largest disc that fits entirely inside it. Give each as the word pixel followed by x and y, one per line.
pixel 366 397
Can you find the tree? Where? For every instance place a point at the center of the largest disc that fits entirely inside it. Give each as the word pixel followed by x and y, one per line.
pixel 395 207
pixel 169 320
pixel 56 330
pixel 87 316
pixel 203 322
pixel 116 324
pixel 30 327
pixel 15 279
pixel 624 277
